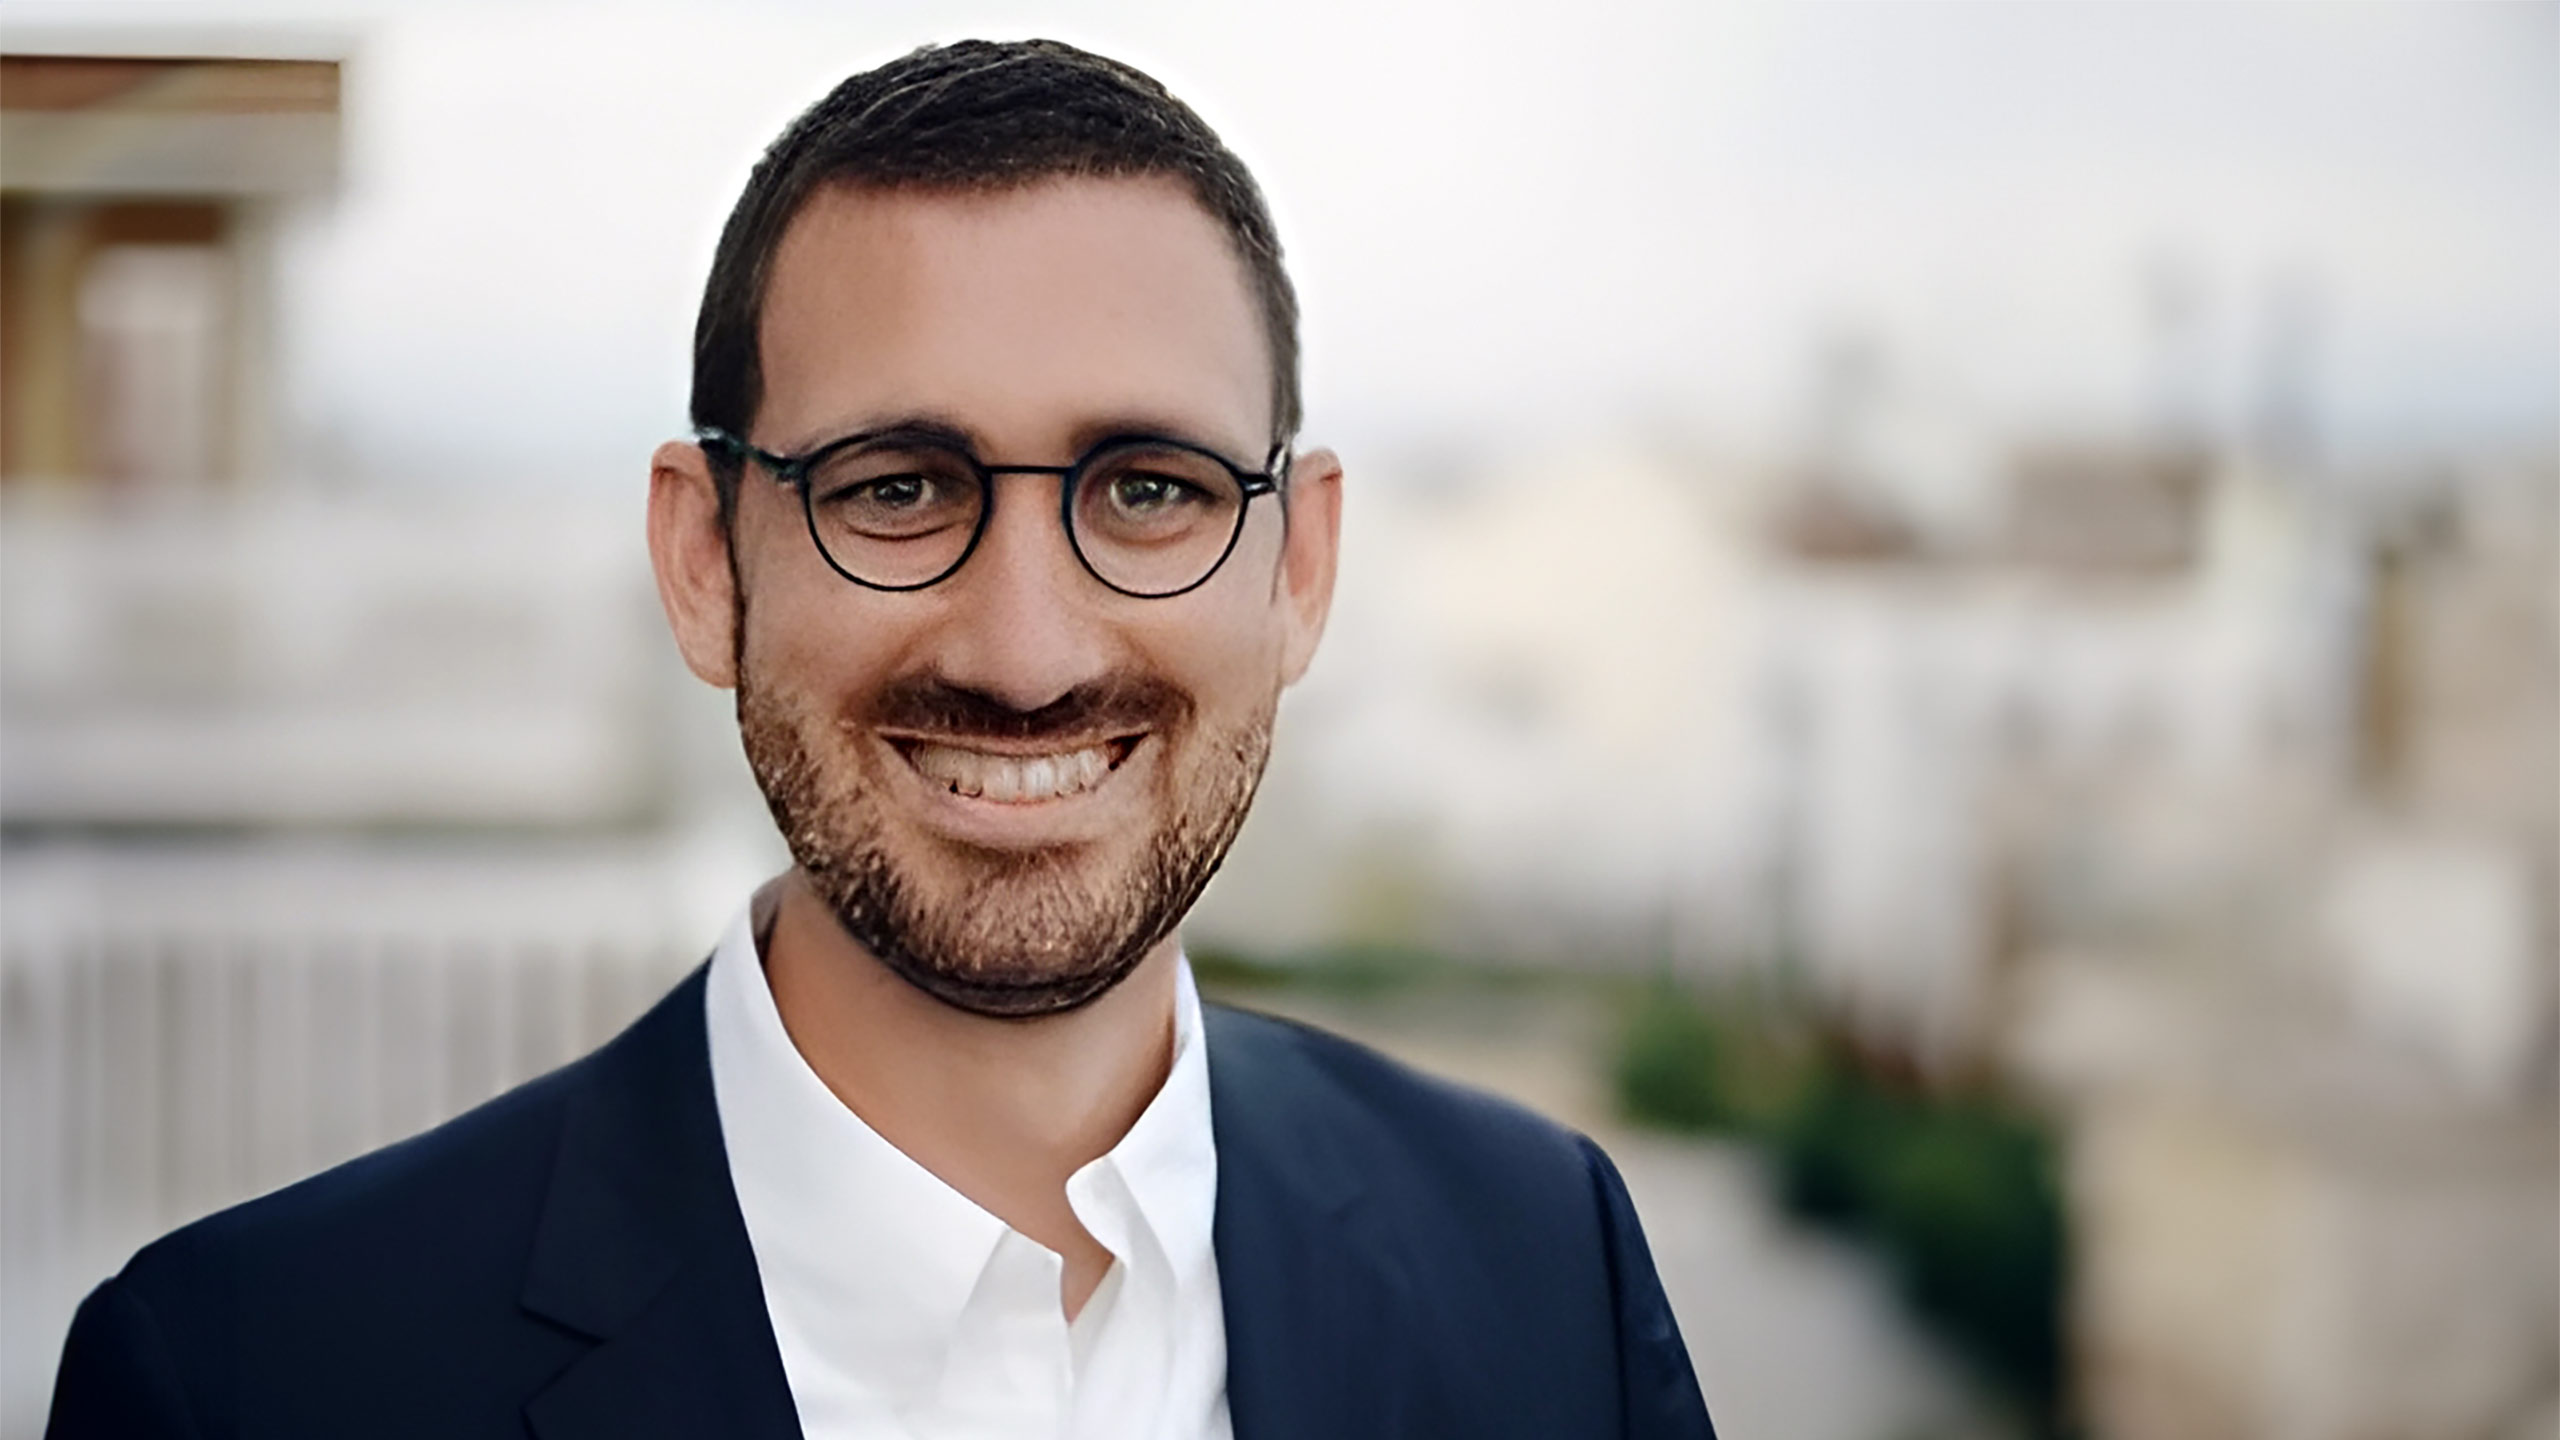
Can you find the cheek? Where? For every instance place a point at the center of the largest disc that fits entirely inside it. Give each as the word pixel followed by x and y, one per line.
pixel 803 630
pixel 1227 650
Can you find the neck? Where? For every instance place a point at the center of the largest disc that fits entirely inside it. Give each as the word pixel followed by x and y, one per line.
pixel 1003 1111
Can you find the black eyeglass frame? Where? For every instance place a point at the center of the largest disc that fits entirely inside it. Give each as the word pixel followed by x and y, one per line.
pixel 794 471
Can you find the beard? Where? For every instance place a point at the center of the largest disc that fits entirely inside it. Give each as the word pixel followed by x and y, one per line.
pixel 1010 934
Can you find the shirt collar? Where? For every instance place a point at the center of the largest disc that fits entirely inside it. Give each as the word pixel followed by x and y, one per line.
pixel 871 1258
pixel 1168 1159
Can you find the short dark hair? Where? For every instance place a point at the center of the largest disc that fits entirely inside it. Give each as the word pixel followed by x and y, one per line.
pixel 975 115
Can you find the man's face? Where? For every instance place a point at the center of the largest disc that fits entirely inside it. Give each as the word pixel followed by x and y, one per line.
pixel 1009 785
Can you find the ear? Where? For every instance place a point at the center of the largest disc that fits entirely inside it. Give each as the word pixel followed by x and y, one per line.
pixel 1307 558
pixel 689 549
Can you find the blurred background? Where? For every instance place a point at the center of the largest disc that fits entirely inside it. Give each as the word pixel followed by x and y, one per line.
pixel 1948 637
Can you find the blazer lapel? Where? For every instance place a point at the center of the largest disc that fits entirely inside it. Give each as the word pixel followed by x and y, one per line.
pixel 1313 1295
pixel 641 1249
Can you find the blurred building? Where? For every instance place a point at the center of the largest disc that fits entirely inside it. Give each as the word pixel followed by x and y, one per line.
pixel 2305 1033
pixel 142 193
pixel 2209 795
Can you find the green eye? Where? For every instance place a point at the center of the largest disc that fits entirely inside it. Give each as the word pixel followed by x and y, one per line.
pixel 895 492
pixel 1146 493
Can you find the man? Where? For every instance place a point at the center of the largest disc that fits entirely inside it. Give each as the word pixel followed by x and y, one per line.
pixel 993 523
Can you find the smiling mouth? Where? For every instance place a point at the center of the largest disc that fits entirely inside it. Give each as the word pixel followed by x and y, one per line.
pixel 1013 779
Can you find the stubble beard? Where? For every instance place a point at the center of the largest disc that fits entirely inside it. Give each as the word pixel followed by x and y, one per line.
pixel 1005 934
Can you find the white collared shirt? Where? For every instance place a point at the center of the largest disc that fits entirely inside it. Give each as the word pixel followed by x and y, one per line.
pixel 904 1311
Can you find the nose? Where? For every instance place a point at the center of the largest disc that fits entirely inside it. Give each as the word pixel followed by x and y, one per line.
pixel 1022 624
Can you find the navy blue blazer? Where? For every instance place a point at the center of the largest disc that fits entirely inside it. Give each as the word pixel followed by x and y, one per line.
pixel 1398 1257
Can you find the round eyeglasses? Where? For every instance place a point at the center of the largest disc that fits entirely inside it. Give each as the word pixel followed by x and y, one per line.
pixel 898 510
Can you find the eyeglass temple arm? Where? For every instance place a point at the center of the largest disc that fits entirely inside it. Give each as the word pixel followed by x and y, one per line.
pixel 721 442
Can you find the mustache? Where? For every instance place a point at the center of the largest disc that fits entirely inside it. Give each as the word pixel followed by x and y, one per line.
pixel 1121 702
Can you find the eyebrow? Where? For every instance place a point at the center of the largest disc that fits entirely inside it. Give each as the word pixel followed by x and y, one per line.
pixel 918 425
pixel 935 427
pixel 1085 437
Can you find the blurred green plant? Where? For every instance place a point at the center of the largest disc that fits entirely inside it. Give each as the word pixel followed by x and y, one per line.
pixel 1955 1187
pixel 1351 968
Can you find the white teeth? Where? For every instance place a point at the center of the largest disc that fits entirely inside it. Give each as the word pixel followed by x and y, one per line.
pixel 1011 779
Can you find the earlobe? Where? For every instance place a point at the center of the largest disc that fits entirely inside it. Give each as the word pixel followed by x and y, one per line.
pixel 689 550
pixel 1308 557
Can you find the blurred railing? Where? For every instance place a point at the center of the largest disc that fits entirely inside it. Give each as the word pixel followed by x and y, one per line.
pixel 185 1030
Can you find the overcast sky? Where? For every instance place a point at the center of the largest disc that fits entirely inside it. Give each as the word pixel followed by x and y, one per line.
pixel 1508 218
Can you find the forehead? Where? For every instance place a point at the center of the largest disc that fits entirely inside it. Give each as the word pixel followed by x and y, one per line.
pixel 1027 315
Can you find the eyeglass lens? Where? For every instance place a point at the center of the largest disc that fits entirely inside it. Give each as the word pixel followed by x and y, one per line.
pixel 1148 518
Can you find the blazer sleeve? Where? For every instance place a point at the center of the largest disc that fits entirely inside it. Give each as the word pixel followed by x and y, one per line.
pixel 1657 1389
pixel 117 1377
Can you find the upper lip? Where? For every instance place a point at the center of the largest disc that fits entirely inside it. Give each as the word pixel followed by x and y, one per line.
pixel 1017 748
